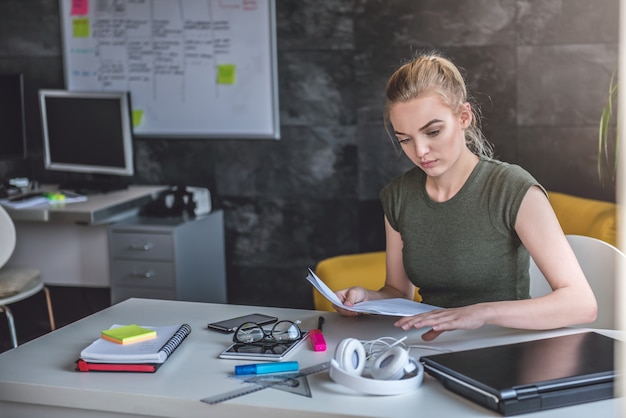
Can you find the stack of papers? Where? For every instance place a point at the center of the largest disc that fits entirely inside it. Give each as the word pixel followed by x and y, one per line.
pixel 391 307
pixel 35 199
pixel 26 203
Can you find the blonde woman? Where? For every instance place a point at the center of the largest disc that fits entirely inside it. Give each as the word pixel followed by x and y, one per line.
pixel 461 226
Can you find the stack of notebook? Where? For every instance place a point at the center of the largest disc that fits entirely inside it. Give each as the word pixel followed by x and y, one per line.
pixel 145 356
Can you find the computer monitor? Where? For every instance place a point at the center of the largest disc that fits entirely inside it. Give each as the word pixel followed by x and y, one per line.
pixel 91 133
pixel 12 126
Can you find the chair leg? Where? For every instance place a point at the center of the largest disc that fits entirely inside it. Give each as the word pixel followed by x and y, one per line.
pixel 50 313
pixel 9 315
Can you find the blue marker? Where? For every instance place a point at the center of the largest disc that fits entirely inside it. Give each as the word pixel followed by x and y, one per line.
pixel 285 366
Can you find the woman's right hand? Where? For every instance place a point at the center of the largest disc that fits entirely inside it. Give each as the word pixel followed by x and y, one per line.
pixel 349 297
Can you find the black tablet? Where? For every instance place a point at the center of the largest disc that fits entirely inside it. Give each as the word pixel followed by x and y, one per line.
pixel 262 350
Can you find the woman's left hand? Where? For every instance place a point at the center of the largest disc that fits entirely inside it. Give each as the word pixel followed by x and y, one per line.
pixel 467 317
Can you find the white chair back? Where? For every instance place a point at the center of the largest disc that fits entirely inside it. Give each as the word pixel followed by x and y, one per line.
pixel 7 236
pixel 17 283
pixel 598 260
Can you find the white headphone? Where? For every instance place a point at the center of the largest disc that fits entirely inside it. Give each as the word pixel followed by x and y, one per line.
pixel 392 370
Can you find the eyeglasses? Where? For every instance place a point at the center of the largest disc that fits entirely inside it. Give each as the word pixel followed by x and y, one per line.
pixel 282 331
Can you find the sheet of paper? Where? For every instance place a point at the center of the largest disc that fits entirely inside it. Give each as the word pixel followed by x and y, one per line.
pixel 391 307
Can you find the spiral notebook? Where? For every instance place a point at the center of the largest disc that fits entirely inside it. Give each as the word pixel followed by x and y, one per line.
pixel 119 357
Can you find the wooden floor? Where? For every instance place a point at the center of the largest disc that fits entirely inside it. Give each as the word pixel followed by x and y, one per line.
pixel 68 303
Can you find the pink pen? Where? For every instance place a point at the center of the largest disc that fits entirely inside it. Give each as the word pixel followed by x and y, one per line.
pixel 317 338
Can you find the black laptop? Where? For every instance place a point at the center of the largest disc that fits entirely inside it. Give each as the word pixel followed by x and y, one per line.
pixel 530 376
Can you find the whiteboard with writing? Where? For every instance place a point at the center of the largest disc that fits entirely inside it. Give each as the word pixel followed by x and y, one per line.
pixel 194 68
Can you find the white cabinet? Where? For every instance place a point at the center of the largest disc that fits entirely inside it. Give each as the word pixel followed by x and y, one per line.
pixel 168 258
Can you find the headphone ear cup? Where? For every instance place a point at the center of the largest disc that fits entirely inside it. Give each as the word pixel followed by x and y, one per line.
pixel 390 365
pixel 350 356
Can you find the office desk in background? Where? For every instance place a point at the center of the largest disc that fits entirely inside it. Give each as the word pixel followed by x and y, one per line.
pixel 98 209
pixel 68 243
pixel 102 243
pixel 38 378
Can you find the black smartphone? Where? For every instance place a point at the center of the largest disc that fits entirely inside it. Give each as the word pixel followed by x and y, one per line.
pixel 230 325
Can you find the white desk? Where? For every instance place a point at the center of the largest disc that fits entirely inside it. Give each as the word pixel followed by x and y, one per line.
pixel 97 209
pixel 68 243
pixel 37 378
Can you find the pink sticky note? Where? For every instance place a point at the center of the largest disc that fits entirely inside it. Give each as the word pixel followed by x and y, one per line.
pixel 80 7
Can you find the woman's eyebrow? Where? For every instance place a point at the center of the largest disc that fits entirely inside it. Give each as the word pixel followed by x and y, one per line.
pixel 430 123
pixel 422 128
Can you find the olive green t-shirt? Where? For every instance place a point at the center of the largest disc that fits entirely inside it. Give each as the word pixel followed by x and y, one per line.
pixel 465 250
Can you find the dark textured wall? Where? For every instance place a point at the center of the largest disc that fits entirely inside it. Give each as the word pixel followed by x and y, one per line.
pixel 539 69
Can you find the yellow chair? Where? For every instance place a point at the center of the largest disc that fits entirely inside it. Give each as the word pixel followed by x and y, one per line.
pixel 588 217
pixel 339 272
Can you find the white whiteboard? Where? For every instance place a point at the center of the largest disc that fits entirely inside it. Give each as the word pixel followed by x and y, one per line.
pixel 194 68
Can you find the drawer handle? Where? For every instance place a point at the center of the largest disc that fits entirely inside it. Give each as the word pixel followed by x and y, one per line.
pixel 147 275
pixel 141 247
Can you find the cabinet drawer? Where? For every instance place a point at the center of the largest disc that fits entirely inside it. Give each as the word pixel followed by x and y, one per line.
pixel 142 246
pixel 119 294
pixel 145 274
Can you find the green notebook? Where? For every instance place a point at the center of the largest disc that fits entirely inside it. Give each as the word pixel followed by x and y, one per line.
pixel 128 334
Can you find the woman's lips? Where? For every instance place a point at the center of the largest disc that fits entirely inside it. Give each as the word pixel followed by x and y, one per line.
pixel 428 164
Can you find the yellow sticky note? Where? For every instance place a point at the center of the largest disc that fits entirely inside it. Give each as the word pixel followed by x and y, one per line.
pixel 226 74
pixel 137 117
pixel 81 27
pixel 128 334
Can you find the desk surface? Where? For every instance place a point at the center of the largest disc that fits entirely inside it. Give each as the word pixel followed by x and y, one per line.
pixel 98 208
pixel 38 378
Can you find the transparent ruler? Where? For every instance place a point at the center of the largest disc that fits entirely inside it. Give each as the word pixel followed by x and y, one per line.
pixel 263 382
